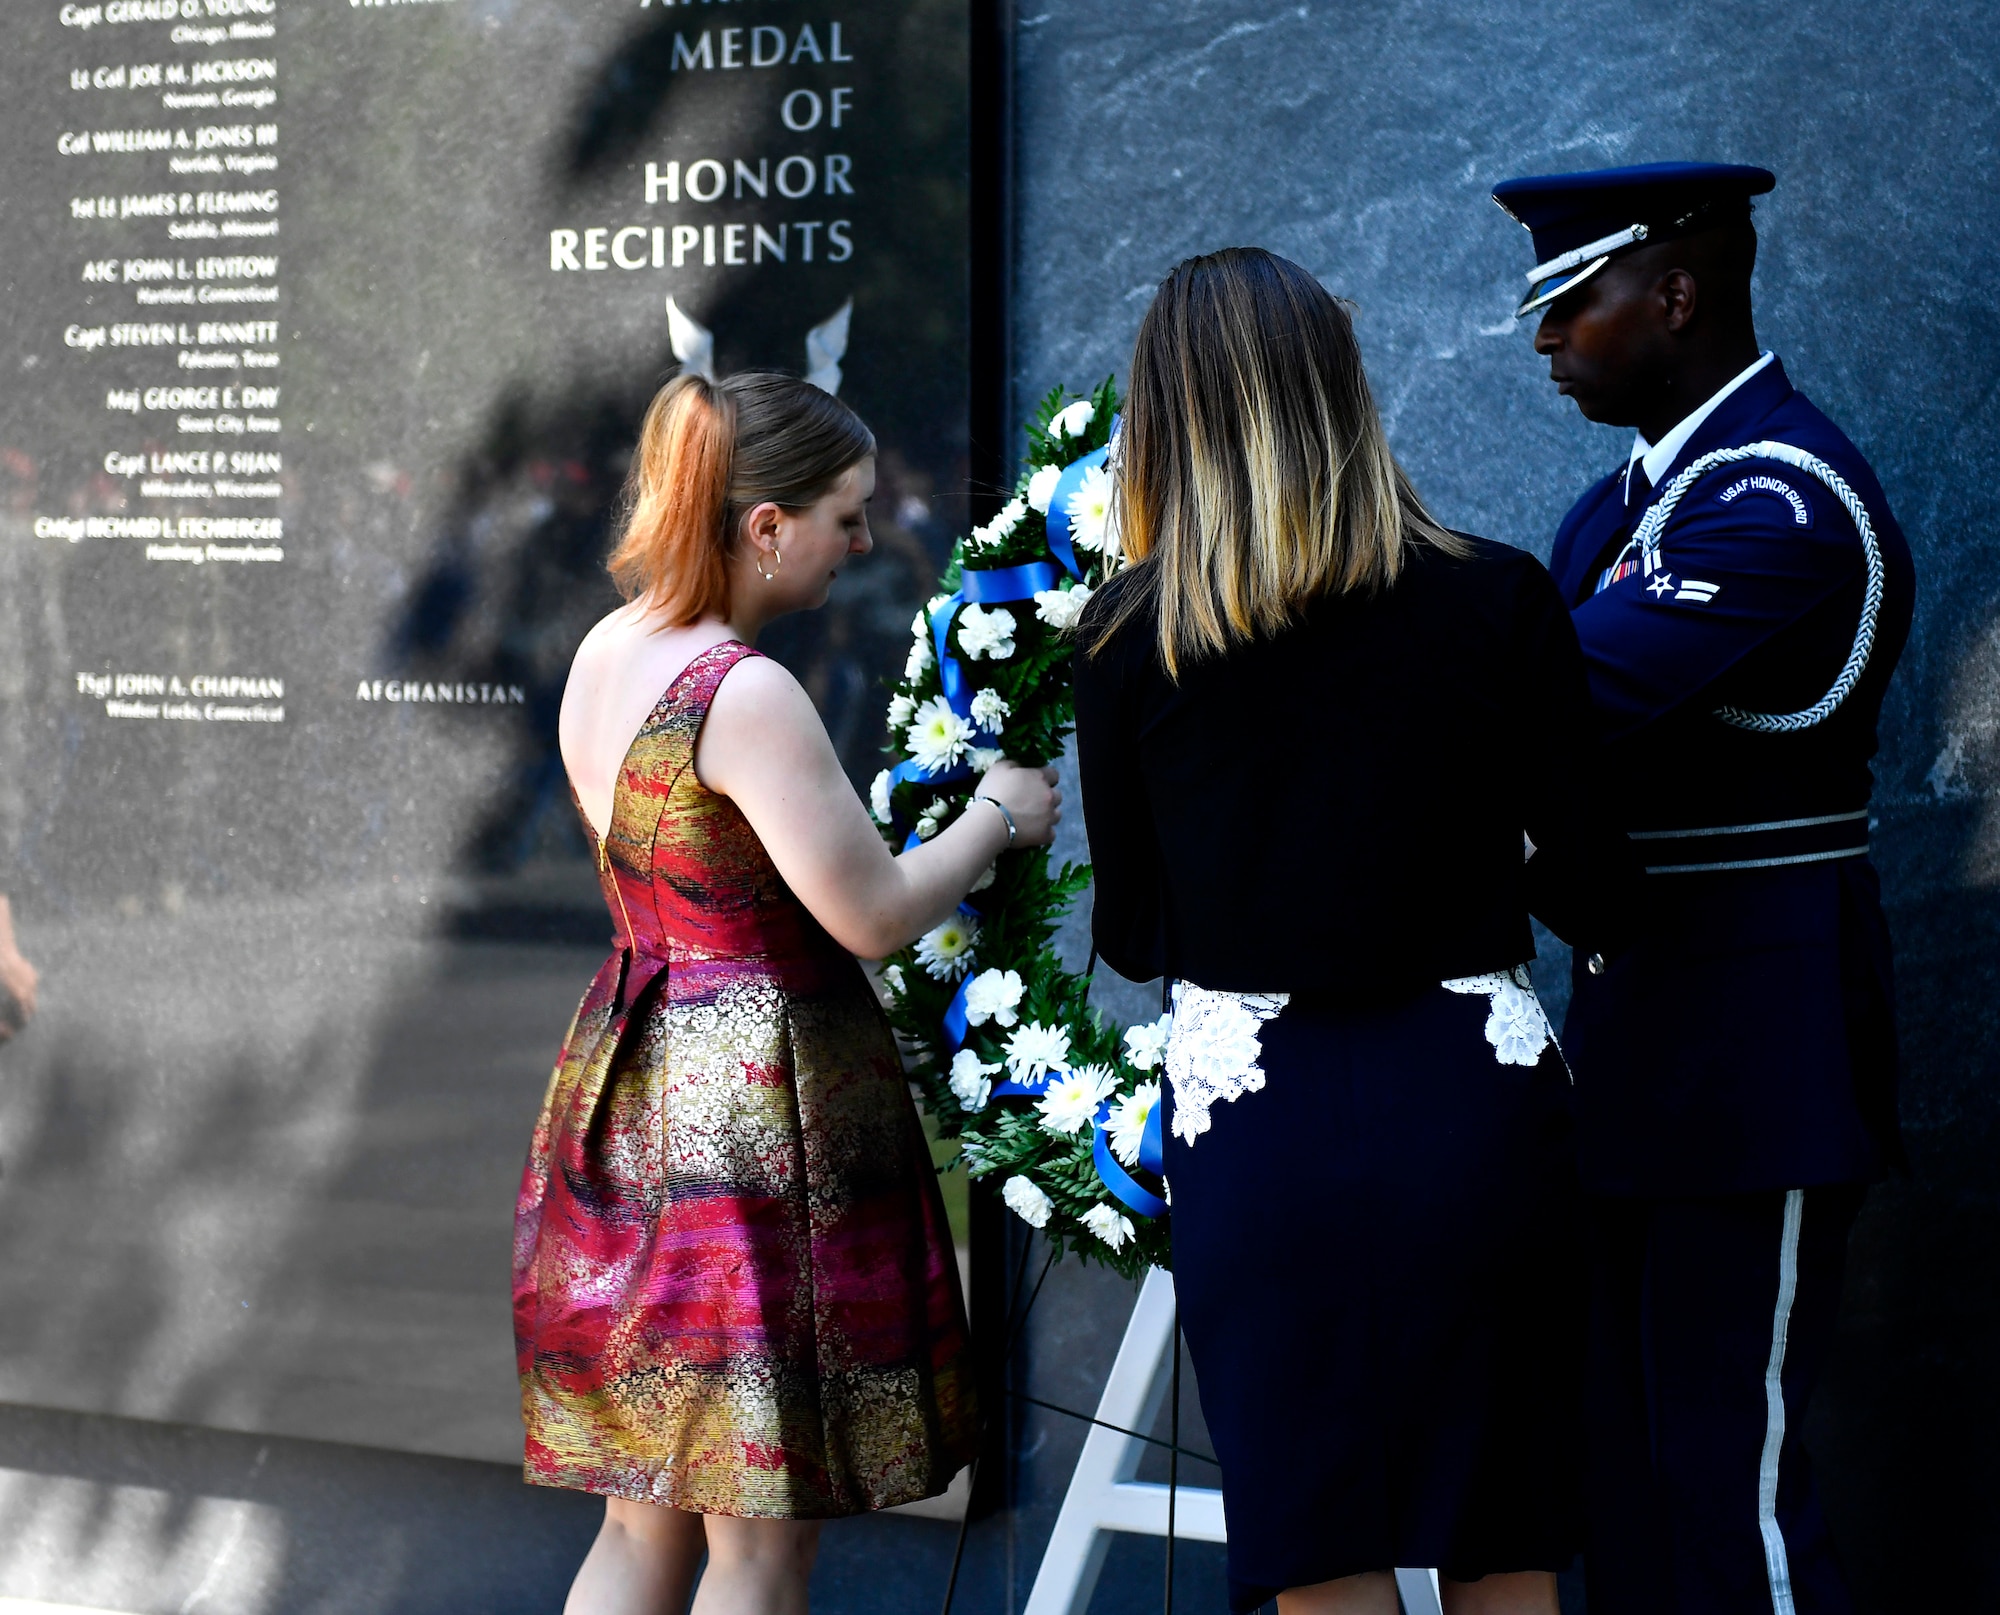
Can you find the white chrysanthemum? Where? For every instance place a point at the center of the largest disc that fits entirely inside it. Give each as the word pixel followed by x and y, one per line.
pixel 1108 1225
pixel 901 710
pixel 986 633
pixel 1090 511
pixel 1060 608
pixel 990 710
pixel 987 877
pixel 946 951
pixel 1126 1124
pixel 1042 487
pixel 993 995
pixel 1073 421
pixel 919 661
pixel 1146 1045
pixel 971 1080
pixel 1071 1101
pixel 937 736
pixel 983 757
pixel 1036 1049
pixel 1025 1199
pixel 892 978
pixel 878 797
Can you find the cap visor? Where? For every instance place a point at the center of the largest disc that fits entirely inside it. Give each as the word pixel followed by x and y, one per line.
pixel 1548 291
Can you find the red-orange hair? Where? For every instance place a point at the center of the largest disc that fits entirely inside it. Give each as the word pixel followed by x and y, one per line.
pixel 708 453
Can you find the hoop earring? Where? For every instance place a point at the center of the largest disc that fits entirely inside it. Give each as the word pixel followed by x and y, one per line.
pixel 777 561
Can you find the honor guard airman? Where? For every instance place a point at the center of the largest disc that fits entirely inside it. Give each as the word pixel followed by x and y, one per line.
pixel 1742 593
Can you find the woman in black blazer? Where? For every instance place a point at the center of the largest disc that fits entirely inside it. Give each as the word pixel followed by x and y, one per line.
pixel 1332 756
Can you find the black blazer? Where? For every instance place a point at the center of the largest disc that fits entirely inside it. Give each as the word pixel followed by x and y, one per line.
pixel 1339 809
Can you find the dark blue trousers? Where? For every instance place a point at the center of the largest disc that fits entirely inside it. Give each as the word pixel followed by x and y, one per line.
pixel 1710 1322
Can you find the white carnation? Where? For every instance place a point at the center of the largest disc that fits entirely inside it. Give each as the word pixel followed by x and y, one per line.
pixel 901 710
pixel 983 757
pixel 1042 487
pixel 878 797
pixel 993 995
pixel 919 659
pixel 926 827
pixel 1070 1102
pixel 1060 608
pixel 1090 512
pixel 1108 1225
pixel 990 710
pixel 1001 527
pixel 1146 1046
pixel 892 977
pixel 1025 1199
pixel 937 736
pixel 987 878
pixel 971 1080
pixel 946 950
pixel 1036 1049
pixel 1073 421
pixel 986 633
pixel 1126 1125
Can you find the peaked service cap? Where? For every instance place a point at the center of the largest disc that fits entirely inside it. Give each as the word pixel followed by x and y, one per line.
pixel 1580 221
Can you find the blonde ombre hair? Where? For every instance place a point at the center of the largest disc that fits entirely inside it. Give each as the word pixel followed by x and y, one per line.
pixel 1254 474
pixel 709 452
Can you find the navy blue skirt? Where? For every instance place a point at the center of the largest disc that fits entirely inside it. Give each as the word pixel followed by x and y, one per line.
pixel 1381 1285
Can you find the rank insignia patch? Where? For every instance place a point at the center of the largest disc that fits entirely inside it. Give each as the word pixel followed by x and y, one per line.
pixel 1696 592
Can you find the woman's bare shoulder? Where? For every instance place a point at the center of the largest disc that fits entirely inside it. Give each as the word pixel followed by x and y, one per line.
pixel 759 690
pixel 762 733
pixel 612 635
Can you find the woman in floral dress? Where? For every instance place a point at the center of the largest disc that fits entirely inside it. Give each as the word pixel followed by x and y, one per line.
pixel 736 1308
pixel 1314 728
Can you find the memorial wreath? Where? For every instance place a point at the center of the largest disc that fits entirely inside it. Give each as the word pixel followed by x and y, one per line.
pixel 1045 1098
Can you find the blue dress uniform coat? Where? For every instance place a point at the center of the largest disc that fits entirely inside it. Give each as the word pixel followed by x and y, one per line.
pixel 1746 1040
pixel 1736 1064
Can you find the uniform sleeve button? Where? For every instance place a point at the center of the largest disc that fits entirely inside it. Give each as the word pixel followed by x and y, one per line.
pixel 1595 964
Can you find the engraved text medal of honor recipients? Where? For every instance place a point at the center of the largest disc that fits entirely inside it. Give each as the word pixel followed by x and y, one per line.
pixel 170 145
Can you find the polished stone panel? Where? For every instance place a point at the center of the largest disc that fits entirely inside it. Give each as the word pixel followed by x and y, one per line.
pixel 329 331
pixel 1361 139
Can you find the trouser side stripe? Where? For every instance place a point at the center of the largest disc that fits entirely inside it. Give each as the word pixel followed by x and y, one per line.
pixel 1775 1562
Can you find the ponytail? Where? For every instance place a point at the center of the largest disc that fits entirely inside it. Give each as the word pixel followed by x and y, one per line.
pixel 709 452
pixel 676 545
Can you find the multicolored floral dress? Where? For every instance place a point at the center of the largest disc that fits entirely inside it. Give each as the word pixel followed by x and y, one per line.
pixel 734 1289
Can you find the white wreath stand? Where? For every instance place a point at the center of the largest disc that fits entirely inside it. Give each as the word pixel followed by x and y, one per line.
pixel 1104 1497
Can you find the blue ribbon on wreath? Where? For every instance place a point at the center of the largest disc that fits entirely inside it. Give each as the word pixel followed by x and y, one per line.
pixel 1061 545
pixel 990 586
pixel 1123 1186
pixel 985 586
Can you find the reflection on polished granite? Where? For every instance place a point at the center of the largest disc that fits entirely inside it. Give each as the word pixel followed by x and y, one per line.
pixel 298 1222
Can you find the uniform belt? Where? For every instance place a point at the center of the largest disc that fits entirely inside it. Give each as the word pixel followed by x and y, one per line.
pixel 1769 845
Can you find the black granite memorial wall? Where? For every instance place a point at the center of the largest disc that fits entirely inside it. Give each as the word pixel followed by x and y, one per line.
pixel 1362 139
pixel 329 326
